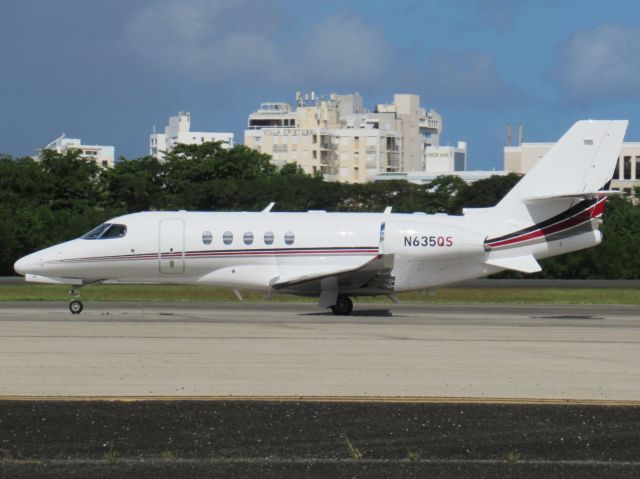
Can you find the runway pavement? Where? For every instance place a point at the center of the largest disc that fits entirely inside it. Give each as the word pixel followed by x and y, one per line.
pixel 276 349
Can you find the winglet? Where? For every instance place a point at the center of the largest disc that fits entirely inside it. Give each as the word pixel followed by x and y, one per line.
pixel 268 207
pixel 524 264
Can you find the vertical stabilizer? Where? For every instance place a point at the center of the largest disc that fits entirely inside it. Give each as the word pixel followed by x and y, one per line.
pixel 583 160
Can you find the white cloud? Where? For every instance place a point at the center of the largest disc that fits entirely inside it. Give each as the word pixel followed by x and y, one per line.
pixel 342 51
pixel 491 14
pixel 231 41
pixel 601 63
pixel 206 40
pixel 471 79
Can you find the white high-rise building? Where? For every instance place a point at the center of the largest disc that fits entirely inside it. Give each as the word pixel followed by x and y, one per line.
pixel 104 156
pixel 337 137
pixel 178 131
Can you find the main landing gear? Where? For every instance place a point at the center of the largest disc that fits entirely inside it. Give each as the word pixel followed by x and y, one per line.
pixel 75 306
pixel 343 306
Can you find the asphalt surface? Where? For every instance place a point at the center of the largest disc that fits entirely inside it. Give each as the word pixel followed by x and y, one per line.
pixel 316 439
pixel 291 350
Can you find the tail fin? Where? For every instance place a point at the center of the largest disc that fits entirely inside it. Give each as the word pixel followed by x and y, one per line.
pixel 581 163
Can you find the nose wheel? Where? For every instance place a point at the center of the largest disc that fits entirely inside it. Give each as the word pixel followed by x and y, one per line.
pixel 75 306
pixel 343 306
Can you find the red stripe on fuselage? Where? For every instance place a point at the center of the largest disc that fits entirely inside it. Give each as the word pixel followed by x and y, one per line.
pixel 222 253
pixel 594 211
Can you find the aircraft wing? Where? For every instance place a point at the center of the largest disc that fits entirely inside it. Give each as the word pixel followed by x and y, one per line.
pixel 295 275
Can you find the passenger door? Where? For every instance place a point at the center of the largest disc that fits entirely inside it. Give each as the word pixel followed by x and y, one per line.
pixel 171 246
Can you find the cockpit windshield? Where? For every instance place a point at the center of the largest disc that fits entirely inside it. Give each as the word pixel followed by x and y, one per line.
pixel 106 231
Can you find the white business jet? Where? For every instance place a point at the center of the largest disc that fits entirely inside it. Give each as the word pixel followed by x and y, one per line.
pixel 554 209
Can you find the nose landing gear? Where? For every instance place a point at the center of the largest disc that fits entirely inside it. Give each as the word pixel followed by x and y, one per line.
pixel 75 306
pixel 343 306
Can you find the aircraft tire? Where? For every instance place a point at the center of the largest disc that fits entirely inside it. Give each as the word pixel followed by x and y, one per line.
pixel 343 306
pixel 76 306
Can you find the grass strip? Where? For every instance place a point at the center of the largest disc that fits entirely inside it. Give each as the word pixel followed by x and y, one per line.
pixel 450 295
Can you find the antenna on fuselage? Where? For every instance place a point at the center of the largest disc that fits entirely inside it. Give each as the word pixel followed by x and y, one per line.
pixel 387 210
pixel 269 206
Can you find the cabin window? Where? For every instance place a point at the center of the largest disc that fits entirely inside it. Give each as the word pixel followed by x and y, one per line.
pixel 207 237
pixel 268 237
pixel 289 237
pixel 227 237
pixel 248 237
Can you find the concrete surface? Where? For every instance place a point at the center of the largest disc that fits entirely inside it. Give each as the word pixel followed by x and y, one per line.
pixel 273 349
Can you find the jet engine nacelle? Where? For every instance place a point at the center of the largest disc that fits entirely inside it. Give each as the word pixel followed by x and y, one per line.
pixel 430 240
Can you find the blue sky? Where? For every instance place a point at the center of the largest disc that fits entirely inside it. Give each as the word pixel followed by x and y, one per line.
pixel 108 71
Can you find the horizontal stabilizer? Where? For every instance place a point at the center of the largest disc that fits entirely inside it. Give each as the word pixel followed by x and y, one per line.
pixel 582 195
pixel 524 264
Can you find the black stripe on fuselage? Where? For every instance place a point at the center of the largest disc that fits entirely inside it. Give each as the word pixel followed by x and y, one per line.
pixel 583 205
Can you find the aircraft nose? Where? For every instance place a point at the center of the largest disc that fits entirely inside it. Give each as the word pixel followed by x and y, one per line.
pixel 25 265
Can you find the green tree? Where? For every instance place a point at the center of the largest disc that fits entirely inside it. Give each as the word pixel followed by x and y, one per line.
pixel 74 181
pixel 486 192
pixel 191 171
pixel 135 185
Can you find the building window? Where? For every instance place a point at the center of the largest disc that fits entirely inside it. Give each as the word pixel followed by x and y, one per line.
pixel 207 237
pixel 227 237
pixel 627 168
pixel 268 237
pixel 248 237
pixel 289 238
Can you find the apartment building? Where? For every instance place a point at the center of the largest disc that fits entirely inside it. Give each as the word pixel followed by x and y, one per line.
pixel 104 156
pixel 339 138
pixel 178 131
